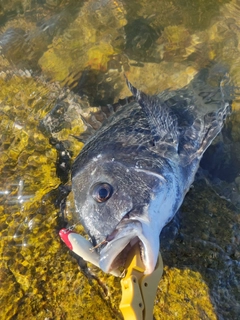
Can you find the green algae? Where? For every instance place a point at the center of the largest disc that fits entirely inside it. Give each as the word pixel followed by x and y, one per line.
pixel 208 245
pixel 39 277
pixel 183 294
pixel 85 44
pixel 37 270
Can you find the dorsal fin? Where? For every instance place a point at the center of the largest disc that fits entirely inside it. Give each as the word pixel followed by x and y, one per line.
pixel 162 122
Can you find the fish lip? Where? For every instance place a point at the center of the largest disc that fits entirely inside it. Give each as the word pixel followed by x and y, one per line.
pixel 119 243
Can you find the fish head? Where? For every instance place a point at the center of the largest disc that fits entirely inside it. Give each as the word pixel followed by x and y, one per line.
pixel 115 202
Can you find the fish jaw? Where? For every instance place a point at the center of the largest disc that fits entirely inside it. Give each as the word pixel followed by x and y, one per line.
pixel 144 226
pixel 128 234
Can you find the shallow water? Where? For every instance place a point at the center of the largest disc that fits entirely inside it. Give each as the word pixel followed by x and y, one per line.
pixel 65 58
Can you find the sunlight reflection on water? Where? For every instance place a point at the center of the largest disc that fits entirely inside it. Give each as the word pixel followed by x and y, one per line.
pixel 68 57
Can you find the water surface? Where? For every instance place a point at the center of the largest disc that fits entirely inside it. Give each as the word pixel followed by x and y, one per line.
pixel 65 58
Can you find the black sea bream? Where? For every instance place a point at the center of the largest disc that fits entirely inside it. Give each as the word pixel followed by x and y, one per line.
pixel 133 173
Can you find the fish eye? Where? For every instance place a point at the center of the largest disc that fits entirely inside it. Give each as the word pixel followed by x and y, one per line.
pixel 101 192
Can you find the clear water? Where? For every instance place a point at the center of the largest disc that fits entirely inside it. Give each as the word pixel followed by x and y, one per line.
pixel 74 52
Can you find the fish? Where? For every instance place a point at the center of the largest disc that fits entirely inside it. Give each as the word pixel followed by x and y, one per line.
pixel 133 173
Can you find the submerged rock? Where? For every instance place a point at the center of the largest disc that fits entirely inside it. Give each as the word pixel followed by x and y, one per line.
pixel 39 278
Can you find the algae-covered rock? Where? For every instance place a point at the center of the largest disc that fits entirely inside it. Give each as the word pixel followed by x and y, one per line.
pixel 81 57
pixel 183 294
pixel 23 41
pixel 36 269
pixel 37 282
pixel 86 46
pixel 204 238
pixel 86 43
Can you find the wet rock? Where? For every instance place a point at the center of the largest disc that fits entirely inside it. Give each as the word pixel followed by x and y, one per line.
pixel 207 243
pixel 84 50
pixel 23 47
pixel 85 44
pixel 140 40
pixel 36 271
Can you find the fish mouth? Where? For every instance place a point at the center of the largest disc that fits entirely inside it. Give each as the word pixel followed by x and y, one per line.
pixel 118 244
